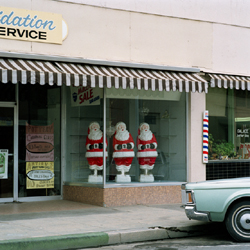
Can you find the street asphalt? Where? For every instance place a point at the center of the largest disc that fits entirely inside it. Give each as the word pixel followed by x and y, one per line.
pixel 62 224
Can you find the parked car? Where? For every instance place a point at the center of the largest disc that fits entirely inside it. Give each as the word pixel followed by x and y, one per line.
pixel 226 200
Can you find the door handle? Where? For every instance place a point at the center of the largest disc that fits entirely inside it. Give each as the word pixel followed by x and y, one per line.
pixel 10 154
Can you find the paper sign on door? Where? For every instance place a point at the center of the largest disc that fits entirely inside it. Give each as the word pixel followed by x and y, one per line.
pixel 4 163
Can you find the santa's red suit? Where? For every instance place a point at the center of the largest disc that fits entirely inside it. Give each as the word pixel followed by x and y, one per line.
pixel 123 145
pixel 94 145
pixel 146 144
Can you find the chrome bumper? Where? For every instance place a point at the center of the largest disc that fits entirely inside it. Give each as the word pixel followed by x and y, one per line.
pixel 191 213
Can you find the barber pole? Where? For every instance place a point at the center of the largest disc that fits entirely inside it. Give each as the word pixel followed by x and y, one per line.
pixel 205 137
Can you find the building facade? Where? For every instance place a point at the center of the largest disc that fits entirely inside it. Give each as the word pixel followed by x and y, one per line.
pixel 76 74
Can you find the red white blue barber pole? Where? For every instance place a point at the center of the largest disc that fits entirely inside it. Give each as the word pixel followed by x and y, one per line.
pixel 205 137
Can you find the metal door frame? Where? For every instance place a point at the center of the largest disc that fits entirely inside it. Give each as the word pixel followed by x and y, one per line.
pixel 15 151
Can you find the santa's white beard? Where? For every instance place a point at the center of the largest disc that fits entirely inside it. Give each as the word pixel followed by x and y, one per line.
pixel 95 135
pixel 145 135
pixel 122 135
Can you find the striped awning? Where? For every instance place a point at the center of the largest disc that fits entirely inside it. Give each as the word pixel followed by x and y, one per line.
pixel 75 74
pixel 229 81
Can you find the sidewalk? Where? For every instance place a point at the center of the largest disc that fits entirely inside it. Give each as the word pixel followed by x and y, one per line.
pixel 71 225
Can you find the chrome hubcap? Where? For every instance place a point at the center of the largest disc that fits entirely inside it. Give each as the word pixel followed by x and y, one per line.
pixel 245 221
pixel 242 221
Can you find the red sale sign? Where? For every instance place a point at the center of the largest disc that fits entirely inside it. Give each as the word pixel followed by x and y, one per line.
pixel 85 96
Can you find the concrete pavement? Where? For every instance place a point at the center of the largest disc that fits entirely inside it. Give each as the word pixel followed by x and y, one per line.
pixel 64 224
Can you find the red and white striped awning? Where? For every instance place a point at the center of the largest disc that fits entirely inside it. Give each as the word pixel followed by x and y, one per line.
pixel 75 74
pixel 229 81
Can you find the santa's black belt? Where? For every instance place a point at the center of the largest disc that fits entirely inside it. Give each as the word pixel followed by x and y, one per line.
pixel 146 146
pixel 96 146
pixel 124 146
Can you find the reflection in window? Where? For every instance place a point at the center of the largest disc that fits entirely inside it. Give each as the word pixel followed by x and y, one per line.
pixel 229 124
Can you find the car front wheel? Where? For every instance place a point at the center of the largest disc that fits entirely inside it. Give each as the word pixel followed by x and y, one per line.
pixel 238 221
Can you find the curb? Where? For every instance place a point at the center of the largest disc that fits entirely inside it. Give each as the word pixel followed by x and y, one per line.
pixel 77 241
pixel 155 233
pixel 73 241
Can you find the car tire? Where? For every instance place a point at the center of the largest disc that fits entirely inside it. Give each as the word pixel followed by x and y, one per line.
pixel 238 221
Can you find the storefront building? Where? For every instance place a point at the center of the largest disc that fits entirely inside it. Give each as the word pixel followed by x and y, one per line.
pixel 110 113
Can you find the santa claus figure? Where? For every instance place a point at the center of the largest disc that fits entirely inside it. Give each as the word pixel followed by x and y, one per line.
pixel 146 155
pixel 94 154
pixel 123 154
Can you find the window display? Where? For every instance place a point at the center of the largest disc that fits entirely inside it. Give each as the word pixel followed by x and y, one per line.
pixel 145 138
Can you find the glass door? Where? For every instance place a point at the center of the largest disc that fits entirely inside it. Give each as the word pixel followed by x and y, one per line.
pixel 7 129
pixel 39 142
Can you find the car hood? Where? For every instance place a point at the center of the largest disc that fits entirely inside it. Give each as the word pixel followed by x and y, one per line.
pixel 222 183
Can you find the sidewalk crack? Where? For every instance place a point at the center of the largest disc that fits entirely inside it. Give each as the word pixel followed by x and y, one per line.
pixel 174 229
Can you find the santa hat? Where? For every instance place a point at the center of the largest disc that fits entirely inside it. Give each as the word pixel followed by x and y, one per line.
pixel 118 124
pixel 92 123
